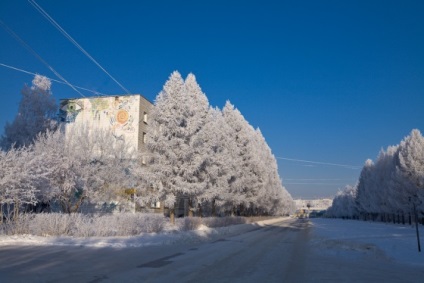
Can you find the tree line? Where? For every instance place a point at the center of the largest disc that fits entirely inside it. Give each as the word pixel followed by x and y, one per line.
pixel 212 157
pixel 388 189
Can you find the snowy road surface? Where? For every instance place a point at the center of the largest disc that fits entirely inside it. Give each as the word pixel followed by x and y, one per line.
pixel 286 251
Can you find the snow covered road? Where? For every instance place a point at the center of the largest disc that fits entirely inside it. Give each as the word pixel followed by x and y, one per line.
pixel 287 250
pixel 269 253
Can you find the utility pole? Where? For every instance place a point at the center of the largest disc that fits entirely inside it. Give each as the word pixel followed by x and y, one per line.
pixel 416 225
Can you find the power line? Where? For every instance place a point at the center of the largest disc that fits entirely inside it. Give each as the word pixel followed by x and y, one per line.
pixel 318 184
pixel 32 51
pixel 61 82
pixel 321 163
pixel 290 179
pixel 61 30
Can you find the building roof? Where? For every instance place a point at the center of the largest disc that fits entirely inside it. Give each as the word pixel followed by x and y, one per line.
pixel 101 96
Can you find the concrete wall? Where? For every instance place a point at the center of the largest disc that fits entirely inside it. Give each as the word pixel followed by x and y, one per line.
pixel 145 108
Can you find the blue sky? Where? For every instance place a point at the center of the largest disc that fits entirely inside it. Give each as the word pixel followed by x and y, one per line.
pixel 326 81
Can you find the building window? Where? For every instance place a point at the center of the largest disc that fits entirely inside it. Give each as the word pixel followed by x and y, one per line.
pixel 144 137
pixel 155 204
pixel 145 117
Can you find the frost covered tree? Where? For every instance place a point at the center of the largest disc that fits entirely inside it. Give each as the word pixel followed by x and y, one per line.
pixel 214 158
pixel 246 182
pixel 176 156
pixel 219 165
pixel 263 192
pixel 378 186
pixel 17 178
pixel 411 161
pixel 63 170
pixel 273 198
pixel 36 114
pixel 109 164
pixel 411 168
pixel 82 166
pixel 269 182
pixel 366 188
pixel 344 204
pixel 389 187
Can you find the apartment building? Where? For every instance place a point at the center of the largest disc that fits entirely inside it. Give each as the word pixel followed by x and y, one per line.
pixel 126 116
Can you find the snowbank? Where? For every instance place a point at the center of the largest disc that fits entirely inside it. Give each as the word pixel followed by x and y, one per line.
pixel 348 237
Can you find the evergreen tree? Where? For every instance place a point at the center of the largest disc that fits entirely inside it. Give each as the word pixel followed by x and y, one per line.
pixel 246 181
pixel 273 198
pixel 219 166
pixel 213 158
pixel 176 155
pixel 344 204
pixel 366 188
pixel 386 190
pixel 390 186
pixel 411 168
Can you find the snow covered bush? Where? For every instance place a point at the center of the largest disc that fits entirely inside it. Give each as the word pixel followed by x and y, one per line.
pixel 82 225
pixel 188 223
pixel 19 226
pixel 128 224
pixel 193 223
pixel 214 222
pixel 52 224
pixel 18 174
pixel 119 224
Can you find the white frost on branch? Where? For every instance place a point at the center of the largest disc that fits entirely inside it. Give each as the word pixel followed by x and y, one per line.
pixel 42 83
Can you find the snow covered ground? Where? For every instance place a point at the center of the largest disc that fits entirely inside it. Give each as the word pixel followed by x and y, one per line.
pixel 276 250
pixel 350 238
pixel 146 239
pixel 343 238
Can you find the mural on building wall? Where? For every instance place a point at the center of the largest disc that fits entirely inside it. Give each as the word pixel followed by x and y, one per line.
pixel 121 116
pixel 120 113
pixel 69 110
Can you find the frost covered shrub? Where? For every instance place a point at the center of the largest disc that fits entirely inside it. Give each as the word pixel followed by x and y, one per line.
pixel 121 224
pixel 188 223
pixel 19 226
pixel 193 223
pixel 128 224
pixel 82 225
pixel 214 222
pixel 154 223
pixel 54 224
